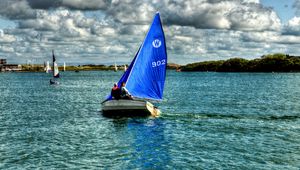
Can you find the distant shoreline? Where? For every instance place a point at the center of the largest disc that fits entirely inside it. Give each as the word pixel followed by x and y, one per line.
pixel 267 63
pixel 90 67
pixel 40 68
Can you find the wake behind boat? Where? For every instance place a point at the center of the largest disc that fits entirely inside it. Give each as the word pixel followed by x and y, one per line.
pixel 144 78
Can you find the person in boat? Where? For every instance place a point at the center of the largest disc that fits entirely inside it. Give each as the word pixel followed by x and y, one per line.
pixel 115 92
pixel 124 92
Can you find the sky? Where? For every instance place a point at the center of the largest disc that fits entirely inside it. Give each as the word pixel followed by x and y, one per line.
pixel 105 31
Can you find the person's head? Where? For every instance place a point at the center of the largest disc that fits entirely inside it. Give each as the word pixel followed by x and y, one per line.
pixel 123 84
pixel 115 85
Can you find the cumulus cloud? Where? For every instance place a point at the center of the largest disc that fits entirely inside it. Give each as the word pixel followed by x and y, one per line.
pixel 257 19
pixel 131 11
pixel 72 4
pixel 292 27
pixel 67 23
pixel 86 4
pixel 24 9
pixel 237 15
pixel 44 4
pixel 16 9
pixel 207 14
pixel 270 37
pixel 195 30
pixel 296 6
pixel 199 14
pixel 6 38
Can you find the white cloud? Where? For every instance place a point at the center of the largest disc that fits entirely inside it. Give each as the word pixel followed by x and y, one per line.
pixel 6 38
pixel 296 6
pixel 227 14
pixel 251 1
pixel 249 20
pixel 270 37
pixel 71 4
pixel 85 4
pixel 195 30
pixel 16 9
pixel 292 27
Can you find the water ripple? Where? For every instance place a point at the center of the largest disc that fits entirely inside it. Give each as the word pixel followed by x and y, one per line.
pixel 208 121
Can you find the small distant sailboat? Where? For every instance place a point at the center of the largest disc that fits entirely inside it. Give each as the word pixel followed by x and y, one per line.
pixel 55 70
pixel 64 66
pixel 144 78
pixel 125 68
pixel 116 67
pixel 48 68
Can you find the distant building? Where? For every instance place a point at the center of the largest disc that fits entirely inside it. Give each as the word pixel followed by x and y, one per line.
pixel 2 61
pixel 9 67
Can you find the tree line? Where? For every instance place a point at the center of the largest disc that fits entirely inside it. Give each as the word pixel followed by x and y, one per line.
pixel 267 63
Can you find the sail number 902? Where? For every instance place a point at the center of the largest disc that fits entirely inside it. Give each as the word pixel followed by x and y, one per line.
pixel 158 63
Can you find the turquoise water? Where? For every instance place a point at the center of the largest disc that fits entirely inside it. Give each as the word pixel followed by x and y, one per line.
pixel 208 121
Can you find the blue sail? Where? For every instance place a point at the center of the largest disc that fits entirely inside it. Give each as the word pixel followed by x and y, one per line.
pixel 145 77
pixel 125 75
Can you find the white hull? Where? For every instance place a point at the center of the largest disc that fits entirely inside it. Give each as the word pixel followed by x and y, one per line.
pixel 113 108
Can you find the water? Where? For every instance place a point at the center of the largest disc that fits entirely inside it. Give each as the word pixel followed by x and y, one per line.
pixel 208 121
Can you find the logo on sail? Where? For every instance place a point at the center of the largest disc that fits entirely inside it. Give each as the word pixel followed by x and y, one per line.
pixel 156 43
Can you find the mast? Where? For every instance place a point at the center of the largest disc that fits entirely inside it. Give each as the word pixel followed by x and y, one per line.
pixel 53 60
pixel 55 67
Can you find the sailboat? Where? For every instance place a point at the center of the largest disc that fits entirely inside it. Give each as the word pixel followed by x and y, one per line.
pixel 55 70
pixel 116 67
pixel 64 66
pixel 125 68
pixel 144 77
pixel 48 68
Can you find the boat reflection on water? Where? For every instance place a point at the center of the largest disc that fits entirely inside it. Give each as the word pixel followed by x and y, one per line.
pixel 146 146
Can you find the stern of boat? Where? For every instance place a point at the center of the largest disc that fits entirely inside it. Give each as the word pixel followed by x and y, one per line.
pixel 129 108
